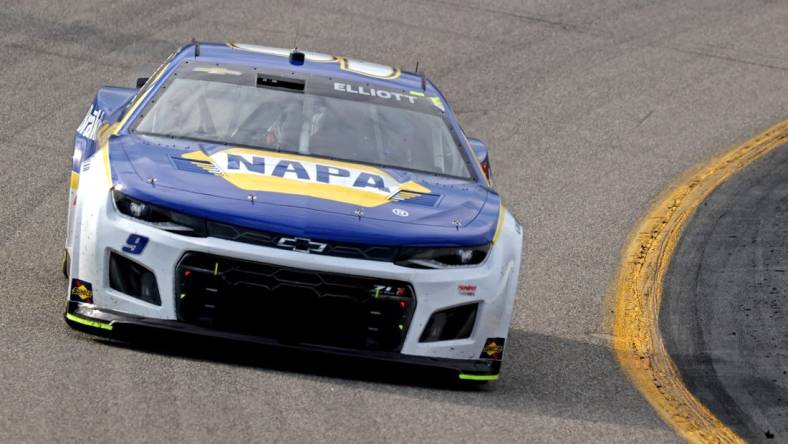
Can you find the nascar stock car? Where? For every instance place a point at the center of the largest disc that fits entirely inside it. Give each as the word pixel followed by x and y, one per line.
pixel 292 199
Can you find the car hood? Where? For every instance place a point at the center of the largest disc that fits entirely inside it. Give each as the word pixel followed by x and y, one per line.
pixel 304 196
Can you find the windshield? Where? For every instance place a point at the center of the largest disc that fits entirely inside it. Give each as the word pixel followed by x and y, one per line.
pixel 329 119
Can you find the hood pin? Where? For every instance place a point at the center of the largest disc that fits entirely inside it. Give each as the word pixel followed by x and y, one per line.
pixel 358 213
pixel 456 222
pixel 152 181
pixel 252 198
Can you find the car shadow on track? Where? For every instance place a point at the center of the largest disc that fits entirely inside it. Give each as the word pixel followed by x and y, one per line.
pixel 343 368
pixel 542 375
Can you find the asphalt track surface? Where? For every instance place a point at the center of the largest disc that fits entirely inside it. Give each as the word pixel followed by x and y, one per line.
pixel 724 311
pixel 590 109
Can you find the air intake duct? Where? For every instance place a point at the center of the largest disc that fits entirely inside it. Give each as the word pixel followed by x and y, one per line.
pixel 133 279
pixel 452 323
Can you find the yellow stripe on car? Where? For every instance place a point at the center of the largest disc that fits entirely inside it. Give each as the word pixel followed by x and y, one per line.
pixel 74 180
pixel 499 227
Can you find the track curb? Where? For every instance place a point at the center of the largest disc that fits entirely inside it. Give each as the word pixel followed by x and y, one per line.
pixel 637 341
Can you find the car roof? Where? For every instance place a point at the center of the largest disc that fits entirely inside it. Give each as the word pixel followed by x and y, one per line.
pixel 315 63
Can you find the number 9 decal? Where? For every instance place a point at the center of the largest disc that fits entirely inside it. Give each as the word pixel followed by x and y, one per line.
pixel 135 244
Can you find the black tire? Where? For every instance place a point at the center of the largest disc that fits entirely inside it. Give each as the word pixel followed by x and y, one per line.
pixel 66 262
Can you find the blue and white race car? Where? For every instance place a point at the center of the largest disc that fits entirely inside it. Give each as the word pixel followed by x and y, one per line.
pixel 293 199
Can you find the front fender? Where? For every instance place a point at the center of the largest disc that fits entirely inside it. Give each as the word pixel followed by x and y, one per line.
pixel 107 108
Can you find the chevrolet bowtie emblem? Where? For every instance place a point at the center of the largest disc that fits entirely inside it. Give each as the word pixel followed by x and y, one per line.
pixel 301 244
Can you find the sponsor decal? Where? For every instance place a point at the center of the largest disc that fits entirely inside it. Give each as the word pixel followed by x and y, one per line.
pixel 388 95
pixel 493 349
pixel 301 244
pixel 436 101
pixel 466 290
pixel 91 123
pixel 81 291
pixel 372 92
pixel 379 291
pixel 86 165
pixel 256 170
pixel 400 212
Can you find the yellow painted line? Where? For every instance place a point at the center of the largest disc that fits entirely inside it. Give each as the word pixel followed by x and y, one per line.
pixel 638 292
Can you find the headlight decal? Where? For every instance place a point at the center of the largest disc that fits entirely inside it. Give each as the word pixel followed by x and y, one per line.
pixel 442 257
pixel 159 217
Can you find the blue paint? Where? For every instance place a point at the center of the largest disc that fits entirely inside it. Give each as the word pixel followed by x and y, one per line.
pixel 111 102
pixel 183 186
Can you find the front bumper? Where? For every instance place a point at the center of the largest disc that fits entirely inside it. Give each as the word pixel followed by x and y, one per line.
pixel 89 318
pixel 98 231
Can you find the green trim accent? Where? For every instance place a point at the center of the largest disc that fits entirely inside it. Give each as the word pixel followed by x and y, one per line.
pixel 469 377
pixel 88 322
pixel 438 104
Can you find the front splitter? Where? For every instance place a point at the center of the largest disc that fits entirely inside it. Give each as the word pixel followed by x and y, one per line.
pixel 124 326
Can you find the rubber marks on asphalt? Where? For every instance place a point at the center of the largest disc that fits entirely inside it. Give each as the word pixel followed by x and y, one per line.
pixel 638 292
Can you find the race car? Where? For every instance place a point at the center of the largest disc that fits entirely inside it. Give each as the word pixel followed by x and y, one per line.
pixel 292 199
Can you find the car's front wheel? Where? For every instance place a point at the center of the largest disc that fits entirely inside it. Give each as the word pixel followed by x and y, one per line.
pixel 65 263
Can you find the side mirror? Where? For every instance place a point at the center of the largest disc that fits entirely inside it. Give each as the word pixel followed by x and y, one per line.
pixel 113 101
pixel 141 81
pixel 484 157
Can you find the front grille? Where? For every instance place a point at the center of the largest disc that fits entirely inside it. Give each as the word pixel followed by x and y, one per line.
pixel 268 239
pixel 291 305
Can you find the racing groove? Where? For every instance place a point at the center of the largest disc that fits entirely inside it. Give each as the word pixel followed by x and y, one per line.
pixel 589 109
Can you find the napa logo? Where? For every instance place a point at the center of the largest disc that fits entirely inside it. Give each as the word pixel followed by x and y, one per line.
pixel 258 170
